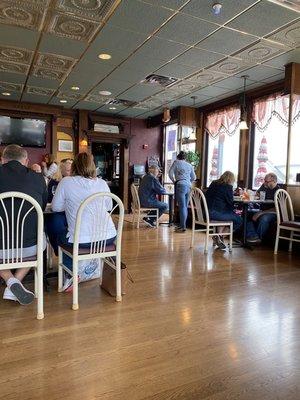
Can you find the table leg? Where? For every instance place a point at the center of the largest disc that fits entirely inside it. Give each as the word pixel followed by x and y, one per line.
pixel 171 210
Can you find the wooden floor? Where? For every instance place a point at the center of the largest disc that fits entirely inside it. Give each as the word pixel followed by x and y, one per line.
pixel 191 327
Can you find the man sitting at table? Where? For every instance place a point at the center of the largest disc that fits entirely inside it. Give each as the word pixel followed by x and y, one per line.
pixel 149 188
pixel 267 215
pixel 16 177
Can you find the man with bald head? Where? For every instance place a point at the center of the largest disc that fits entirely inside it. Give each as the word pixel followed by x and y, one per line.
pixel 16 177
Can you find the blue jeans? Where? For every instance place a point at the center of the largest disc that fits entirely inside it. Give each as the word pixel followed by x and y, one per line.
pixel 162 207
pixel 227 216
pixel 182 198
pixel 55 224
pixel 262 225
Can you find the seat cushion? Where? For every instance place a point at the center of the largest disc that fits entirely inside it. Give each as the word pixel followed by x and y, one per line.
pixel 86 250
pixel 291 224
pixel 213 221
pixel 24 259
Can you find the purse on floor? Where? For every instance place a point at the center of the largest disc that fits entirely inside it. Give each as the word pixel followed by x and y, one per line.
pixel 109 279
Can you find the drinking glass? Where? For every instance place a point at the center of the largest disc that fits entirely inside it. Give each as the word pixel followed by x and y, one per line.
pixel 54 189
pixel 262 195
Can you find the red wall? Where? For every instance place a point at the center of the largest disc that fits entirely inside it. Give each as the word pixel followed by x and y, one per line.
pixel 35 154
pixel 141 135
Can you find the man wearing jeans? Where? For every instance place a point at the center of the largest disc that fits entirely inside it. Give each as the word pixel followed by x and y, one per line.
pixel 182 174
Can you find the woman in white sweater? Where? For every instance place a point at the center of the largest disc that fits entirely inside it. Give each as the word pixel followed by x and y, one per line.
pixel 72 191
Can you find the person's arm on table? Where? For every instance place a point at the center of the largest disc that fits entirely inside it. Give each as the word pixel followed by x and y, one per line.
pixel 59 198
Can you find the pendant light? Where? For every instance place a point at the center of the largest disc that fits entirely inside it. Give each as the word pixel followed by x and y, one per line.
pixel 243 123
pixel 166 115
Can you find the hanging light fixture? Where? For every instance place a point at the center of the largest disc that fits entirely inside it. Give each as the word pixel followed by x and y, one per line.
pixel 243 122
pixel 166 115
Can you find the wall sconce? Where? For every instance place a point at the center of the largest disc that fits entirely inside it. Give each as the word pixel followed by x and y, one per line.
pixel 84 140
pixel 166 115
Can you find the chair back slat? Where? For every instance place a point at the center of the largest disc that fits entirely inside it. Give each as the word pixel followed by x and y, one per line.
pixel 199 206
pixel 283 206
pixel 13 219
pixel 135 197
pixel 104 207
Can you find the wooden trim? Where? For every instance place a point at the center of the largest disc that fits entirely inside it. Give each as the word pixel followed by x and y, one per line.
pixel 112 137
pixel 31 107
pixel 54 138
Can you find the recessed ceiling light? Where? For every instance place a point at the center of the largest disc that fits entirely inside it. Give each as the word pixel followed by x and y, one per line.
pixel 6 94
pixel 63 101
pixel 105 92
pixel 112 108
pixel 75 87
pixel 104 56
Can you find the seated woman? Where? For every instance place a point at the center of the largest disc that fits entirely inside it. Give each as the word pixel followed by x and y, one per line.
pixel 49 166
pixel 69 195
pixel 149 188
pixel 64 169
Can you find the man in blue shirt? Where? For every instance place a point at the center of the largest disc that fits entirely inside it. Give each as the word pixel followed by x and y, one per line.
pixel 182 174
pixel 149 188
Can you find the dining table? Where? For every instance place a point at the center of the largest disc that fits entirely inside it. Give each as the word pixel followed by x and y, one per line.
pixel 245 204
pixel 170 196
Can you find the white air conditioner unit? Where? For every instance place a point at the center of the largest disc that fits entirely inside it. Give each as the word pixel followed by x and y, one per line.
pixel 106 128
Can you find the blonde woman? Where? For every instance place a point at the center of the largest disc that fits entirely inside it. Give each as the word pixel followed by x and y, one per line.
pixel 64 169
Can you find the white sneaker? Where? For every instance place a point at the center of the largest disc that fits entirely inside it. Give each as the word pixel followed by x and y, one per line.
pixel 8 295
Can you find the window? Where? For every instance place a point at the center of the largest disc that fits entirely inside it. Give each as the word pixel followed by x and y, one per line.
pixel 295 142
pixel 222 128
pixel 171 148
pixel 270 117
pixel 188 139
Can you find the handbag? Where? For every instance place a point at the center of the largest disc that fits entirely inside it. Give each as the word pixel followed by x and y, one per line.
pixel 109 279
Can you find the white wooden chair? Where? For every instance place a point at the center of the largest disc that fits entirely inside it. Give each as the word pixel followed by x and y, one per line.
pixel 200 217
pixel 285 219
pixel 98 248
pixel 139 211
pixel 15 208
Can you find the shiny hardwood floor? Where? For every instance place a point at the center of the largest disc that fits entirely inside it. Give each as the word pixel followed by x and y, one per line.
pixel 191 327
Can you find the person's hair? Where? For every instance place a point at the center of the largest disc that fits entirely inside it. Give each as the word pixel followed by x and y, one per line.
pixel 227 177
pixel 14 152
pixel 153 168
pixel 51 159
pixel 272 176
pixel 181 155
pixel 59 173
pixel 83 165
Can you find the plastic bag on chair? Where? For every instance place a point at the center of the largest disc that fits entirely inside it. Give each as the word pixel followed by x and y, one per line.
pixel 87 270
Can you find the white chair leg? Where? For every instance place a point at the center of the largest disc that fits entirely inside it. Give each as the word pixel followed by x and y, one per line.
pixel 60 270
pixel 75 304
pixel 206 240
pixel 118 279
pixel 230 238
pixel 133 217
pixel 157 216
pixel 40 293
pixel 138 219
pixel 277 240
pixel 35 283
pixel 291 242
pixel 193 234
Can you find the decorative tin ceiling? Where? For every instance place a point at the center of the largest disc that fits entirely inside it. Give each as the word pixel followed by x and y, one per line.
pixel 49 51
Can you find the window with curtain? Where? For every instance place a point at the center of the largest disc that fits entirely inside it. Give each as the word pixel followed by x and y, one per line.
pixel 270 116
pixel 295 142
pixel 171 146
pixel 222 129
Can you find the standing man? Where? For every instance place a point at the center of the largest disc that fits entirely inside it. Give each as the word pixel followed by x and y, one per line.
pixel 267 216
pixel 182 174
pixel 16 177
pixel 149 188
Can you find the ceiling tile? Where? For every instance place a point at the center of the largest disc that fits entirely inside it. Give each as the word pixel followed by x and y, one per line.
pixel 39 91
pixel 112 85
pixel 172 4
pixel 175 70
pixel 107 108
pixel 11 87
pixel 48 73
pixel 140 92
pixel 95 71
pixel 79 79
pixel 96 10
pixel 43 83
pixel 56 101
pixel 261 51
pixel 281 61
pixel 19 37
pixel 226 41
pixel 86 105
pixel 22 13
pixel 259 72
pixel 139 17
pixel 289 36
pixel 207 77
pixel 230 83
pixel 263 18
pixel 13 68
pixel 141 63
pixel 203 9
pixel 274 78
pixel 130 112
pixel 55 61
pixel 64 46
pixel 128 74
pixel 15 54
pixel 230 66
pixel 71 27
pixel 198 58
pixel 210 91
pixel 160 49
pixel 34 98
pixel 14 96
pixel 186 29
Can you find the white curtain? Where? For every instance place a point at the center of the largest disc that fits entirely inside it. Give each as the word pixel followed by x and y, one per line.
pixel 224 120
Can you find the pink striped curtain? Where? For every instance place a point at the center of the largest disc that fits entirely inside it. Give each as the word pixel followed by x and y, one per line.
pixel 223 121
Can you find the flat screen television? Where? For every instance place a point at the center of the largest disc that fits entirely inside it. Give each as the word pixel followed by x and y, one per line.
pixel 25 132
pixel 138 169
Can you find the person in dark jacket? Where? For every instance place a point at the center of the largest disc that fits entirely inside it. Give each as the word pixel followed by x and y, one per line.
pixel 15 176
pixel 149 188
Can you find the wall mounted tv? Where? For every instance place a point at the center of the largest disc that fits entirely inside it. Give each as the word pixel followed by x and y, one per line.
pixel 25 132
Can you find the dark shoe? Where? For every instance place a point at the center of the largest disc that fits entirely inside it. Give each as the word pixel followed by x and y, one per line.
pixel 23 295
pixel 149 222
pixel 218 241
pixel 180 230
pixel 254 240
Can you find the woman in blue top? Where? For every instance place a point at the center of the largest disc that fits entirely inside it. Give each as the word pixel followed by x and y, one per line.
pixel 182 174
